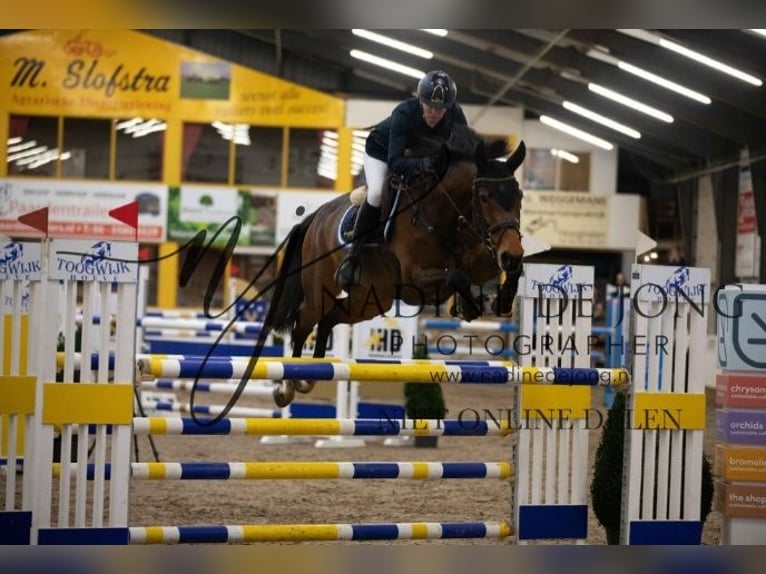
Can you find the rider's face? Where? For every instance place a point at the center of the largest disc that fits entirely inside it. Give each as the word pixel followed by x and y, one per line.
pixel 432 116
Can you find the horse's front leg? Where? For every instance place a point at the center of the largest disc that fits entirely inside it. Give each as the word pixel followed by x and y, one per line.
pixel 468 308
pixel 446 281
pixel 503 305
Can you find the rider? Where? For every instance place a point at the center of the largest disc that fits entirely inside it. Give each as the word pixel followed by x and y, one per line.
pixel 432 113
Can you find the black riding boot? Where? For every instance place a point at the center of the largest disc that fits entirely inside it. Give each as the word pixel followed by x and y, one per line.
pixel 365 230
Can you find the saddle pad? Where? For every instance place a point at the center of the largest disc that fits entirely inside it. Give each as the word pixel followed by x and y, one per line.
pixel 346 226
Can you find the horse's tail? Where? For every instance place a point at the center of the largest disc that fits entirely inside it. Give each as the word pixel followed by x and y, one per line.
pixel 289 290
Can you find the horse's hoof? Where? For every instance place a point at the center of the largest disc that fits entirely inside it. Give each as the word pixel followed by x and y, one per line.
pixel 304 386
pixel 284 395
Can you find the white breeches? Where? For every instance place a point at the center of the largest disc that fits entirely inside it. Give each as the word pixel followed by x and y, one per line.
pixel 375 172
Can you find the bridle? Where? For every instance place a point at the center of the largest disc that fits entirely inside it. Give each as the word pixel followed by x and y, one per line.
pixel 478 224
pixel 486 231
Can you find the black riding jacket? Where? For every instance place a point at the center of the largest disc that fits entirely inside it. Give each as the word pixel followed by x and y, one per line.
pixel 388 139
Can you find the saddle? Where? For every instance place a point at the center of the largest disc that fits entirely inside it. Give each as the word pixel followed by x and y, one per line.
pixel 392 198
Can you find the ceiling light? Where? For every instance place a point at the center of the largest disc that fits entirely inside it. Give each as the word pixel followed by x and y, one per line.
pixel 329 142
pixel 125 124
pixel 630 102
pixel 392 43
pixel 435 31
pixel 760 31
pixel 26 153
pixel 388 64
pixel 12 141
pixel 660 81
pixel 575 132
pixel 649 76
pixel 692 55
pixel 603 120
pixel 570 157
pixel 21 146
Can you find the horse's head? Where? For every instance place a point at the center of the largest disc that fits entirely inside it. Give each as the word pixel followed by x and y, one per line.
pixel 497 202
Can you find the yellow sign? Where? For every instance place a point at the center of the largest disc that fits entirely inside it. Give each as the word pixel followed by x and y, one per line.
pixel 122 73
pixel 566 219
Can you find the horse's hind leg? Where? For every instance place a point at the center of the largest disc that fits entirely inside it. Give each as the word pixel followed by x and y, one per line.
pixel 324 327
pixel 285 392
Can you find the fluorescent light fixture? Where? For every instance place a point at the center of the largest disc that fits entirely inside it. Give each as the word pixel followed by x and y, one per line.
pixel 660 81
pixel 570 157
pixel 603 120
pixel 388 64
pixel 330 134
pixel 27 153
pixel 12 141
pixel 435 31
pixel 21 146
pixel 630 102
pixel 760 31
pixel 125 124
pixel 392 43
pixel 711 63
pixel 239 133
pixel 693 55
pixel 649 76
pixel 575 132
pixel 329 142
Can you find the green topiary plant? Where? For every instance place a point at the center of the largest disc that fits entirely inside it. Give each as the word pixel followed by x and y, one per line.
pixel 423 400
pixel 606 487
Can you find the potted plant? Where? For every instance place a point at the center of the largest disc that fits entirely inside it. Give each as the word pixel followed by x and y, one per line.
pixel 423 400
pixel 606 487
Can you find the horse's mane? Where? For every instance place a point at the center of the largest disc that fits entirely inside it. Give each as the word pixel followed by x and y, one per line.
pixel 464 144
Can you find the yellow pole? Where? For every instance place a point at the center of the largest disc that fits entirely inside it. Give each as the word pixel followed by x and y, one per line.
pixel 167 269
pixel 167 276
pixel 4 133
pixel 344 181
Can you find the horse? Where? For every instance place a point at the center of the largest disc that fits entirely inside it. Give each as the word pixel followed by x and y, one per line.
pixel 449 232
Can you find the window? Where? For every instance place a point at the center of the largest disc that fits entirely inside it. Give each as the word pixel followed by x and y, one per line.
pixel 87 142
pixel 33 146
pixel 259 156
pixel 557 170
pixel 575 176
pixel 313 158
pixel 139 150
pixel 540 170
pixel 205 154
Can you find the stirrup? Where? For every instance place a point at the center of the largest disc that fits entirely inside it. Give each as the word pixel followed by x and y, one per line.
pixel 347 274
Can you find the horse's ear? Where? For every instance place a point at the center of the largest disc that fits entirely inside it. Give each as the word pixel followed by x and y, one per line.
pixel 494 149
pixel 517 157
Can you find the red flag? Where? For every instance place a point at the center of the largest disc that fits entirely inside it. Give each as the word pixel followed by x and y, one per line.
pixel 127 214
pixel 37 219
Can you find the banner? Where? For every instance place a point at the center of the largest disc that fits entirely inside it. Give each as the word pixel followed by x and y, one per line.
pixel 192 209
pixel 294 206
pixel 81 209
pixel 567 219
pixel 123 73
pixel 747 262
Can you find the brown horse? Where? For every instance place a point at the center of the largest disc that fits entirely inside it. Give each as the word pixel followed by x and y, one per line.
pixel 447 235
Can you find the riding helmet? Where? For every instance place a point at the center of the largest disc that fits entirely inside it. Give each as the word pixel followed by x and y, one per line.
pixel 437 90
